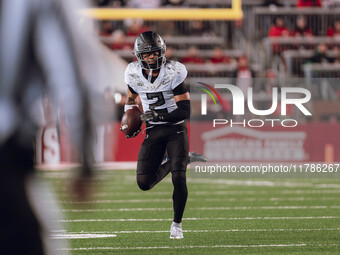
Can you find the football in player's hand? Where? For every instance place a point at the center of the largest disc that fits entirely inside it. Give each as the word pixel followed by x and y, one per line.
pixel 131 122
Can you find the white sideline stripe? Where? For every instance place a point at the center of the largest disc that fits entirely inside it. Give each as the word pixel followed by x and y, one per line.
pixel 207 231
pixel 186 247
pixel 204 208
pixel 218 218
pixel 80 236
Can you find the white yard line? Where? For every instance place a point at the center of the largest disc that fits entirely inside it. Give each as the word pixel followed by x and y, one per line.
pixel 161 200
pixel 218 218
pixel 80 236
pixel 111 201
pixel 205 208
pixel 263 192
pixel 250 183
pixel 213 192
pixel 103 233
pixel 271 199
pixel 187 247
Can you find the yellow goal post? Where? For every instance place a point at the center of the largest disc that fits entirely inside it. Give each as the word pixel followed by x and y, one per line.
pixel 233 13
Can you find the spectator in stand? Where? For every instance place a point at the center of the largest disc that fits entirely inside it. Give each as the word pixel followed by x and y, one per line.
pixel 135 27
pixel 320 55
pixel 218 57
pixel 334 31
pixel 330 3
pixel 303 30
pixel 200 28
pixel 173 3
pixel 192 57
pixel 119 41
pixel 169 54
pixel 278 30
pixel 244 75
pixel 269 82
pixel 144 4
pixel 169 27
pixel 270 3
pixel 106 28
pixel 308 3
pixel 111 3
pixel 301 27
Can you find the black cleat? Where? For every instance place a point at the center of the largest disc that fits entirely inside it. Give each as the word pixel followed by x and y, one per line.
pixel 194 157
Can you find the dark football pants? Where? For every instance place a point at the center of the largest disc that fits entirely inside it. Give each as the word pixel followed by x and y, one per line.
pixel 158 140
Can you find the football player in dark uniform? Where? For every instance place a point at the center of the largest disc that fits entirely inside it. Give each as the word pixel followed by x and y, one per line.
pixel 166 104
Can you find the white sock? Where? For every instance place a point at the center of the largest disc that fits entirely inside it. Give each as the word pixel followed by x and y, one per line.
pixel 177 225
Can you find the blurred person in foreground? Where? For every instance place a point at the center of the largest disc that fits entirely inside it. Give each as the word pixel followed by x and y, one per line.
pixel 42 50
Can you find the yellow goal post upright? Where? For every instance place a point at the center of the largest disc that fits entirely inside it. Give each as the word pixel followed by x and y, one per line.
pixel 233 13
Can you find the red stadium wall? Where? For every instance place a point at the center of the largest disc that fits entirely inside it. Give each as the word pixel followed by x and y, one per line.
pixel 317 142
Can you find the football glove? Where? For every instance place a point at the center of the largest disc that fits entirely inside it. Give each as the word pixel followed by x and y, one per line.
pixel 151 115
pixel 133 135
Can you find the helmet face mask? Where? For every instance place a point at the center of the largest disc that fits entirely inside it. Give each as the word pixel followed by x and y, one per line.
pixel 146 46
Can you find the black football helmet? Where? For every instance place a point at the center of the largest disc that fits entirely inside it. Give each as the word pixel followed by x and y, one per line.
pixel 148 42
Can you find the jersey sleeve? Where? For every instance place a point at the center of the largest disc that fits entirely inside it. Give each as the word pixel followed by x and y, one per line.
pixel 127 79
pixel 132 90
pixel 180 89
pixel 180 75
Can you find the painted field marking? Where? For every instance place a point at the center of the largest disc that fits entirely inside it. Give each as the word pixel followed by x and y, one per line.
pixel 200 193
pixel 196 246
pixel 80 236
pixel 103 233
pixel 112 201
pixel 204 208
pixel 218 218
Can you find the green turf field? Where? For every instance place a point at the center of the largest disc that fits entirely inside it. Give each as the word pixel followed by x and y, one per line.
pixel 239 216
